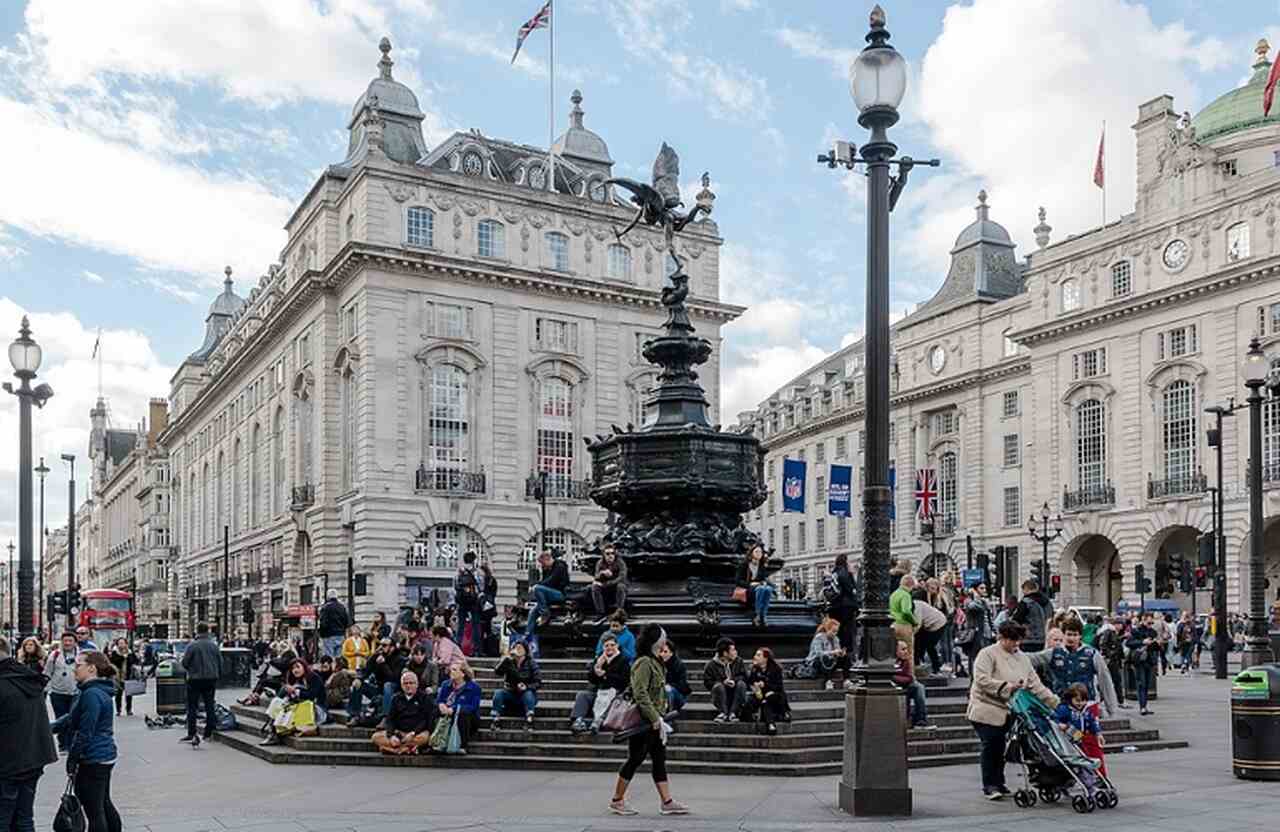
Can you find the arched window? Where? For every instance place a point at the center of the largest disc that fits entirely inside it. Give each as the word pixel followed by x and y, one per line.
pixel 278 476
pixel 1178 418
pixel 1238 242
pixel 420 226
pixel 1010 346
pixel 448 423
pixel 442 545
pixel 219 507
pixel 206 508
pixel 349 426
pixel 1271 434
pixel 563 543
pixel 948 491
pixel 304 429
pixel 557 251
pixel 1091 447
pixel 555 428
pixel 620 262
pixel 255 475
pixel 1070 295
pixel 491 239
pixel 236 522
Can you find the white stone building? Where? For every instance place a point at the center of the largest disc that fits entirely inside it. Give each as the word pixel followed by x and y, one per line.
pixel 440 328
pixel 1078 376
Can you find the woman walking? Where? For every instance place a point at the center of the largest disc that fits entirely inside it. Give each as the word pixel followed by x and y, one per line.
pixel 126 663
pixel 92 753
pixel 649 691
pixel 31 654
pixel 1000 670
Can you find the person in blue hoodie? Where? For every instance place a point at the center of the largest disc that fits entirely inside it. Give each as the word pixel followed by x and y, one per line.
pixel 626 639
pixel 92 752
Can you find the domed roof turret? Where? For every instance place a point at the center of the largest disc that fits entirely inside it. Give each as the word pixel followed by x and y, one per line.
pixel 227 303
pixel 386 93
pixel 386 118
pixel 982 229
pixel 222 312
pixel 1241 108
pixel 578 142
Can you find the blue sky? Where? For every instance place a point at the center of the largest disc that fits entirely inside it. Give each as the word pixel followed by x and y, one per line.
pixel 149 144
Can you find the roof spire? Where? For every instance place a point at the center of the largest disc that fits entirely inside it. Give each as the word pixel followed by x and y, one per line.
pixel 384 65
pixel 981 207
pixel 226 284
pixel 575 115
pixel 1042 231
pixel 1260 53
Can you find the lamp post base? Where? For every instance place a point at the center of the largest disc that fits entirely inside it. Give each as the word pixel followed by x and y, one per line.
pixel 875 781
pixel 1255 654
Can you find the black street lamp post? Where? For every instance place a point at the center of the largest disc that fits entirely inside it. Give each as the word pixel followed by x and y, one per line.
pixel 875 780
pixel 11 624
pixel 1221 639
pixel 70 459
pixel 1256 373
pixel 43 471
pixel 1044 538
pixel 25 355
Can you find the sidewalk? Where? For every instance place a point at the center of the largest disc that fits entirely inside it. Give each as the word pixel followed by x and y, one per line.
pixel 164 786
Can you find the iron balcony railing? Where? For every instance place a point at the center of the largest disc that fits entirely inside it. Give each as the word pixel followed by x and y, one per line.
pixel 302 496
pixel 253 578
pixel 1187 484
pixel 449 480
pixel 559 487
pixel 1091 497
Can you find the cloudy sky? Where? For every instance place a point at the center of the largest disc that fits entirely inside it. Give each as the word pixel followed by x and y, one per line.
pixel 147 145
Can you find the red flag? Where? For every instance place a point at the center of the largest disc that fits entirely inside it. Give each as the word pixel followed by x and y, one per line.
pixel 1099 166
pixel 538 21
pixel 1269 91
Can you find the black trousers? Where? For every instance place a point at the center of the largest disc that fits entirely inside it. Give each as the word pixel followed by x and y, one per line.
pixel 728 700
pixel 198 690
pixel 927 642
pixel 93 788
pixel 991 758
pixel 645 744
pixel 847 616
pixel 127 701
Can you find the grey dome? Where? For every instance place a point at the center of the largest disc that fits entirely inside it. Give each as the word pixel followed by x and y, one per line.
pixel 388 94
pixel 227 303
pixel 222 312
pixel 578 142
pixel 982 229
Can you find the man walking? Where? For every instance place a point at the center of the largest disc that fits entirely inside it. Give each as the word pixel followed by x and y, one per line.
pixel 60 669
pixel 1034 612
pixel 333 622
pixel 1110 643
pixel 26 743
pixel 203 664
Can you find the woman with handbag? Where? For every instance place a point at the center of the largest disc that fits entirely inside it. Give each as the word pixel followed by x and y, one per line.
pixel 299 707
pixel 127 667
pixel 649 698
pixel 459 704
pixel 92 752
pixel 752 587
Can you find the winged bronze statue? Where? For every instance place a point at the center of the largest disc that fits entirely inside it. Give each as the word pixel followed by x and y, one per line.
pixel 656 204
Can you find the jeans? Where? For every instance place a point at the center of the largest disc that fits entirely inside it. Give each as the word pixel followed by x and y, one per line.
pixel 1142 677
pixel 93 788
pixel 991 758
pixel 17 801
pixel 504 699
pixel 61 703
pixel 600 594
pixel 1187 650
pixel 367 691
pixel 763 597
pixel 675 699
pixel 917 710
pixel 388 693
pixel 127 701
pixel 728 700
pixel 477 628
pixel 331 646
pixel 544 597
pixel 197 690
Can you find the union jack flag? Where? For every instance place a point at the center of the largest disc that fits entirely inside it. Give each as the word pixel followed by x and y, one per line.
pixel 539 21
pixel 926 493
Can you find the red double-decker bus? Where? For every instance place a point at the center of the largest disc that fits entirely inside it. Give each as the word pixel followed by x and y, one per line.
pixel 108 615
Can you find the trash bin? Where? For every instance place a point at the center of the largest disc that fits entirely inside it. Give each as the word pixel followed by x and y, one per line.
pixel 237 665
pixel 171 688
pixel 1255 723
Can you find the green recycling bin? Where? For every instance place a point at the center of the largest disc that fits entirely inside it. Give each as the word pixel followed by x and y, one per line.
pixel 1255 723
pixel 171 688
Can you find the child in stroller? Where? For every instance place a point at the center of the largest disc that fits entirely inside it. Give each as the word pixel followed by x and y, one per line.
pixel 1079 718
pixel 1053 766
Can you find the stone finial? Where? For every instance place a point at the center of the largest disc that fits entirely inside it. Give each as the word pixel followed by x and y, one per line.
pixel 705 198
pixel 575 114
pixel 981 207
pixel 1042 230
pixel 227 283
pixel 877 17
pixel 384 65
pixel 1260 51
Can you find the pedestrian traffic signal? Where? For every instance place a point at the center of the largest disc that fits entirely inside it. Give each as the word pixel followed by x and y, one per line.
pixel 1206 549
pixel 1202 577
pixel 1175 570
pixel 73 600
pixel 1186 581
pixel 1140 580
pixel 246 611
pixel 1037 573
pixel 57 603
pixel 1055 584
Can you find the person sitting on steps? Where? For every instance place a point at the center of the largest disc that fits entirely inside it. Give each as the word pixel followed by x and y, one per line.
pixel 521 679
pixel 553 581
pixel 766 699
pixel 725 677
pixel 607 676
pixel 407 726
pixel 610 584
pixel 751 578
pixel 459 696
pixel 826 655
pixel 678 690
pixel 625 638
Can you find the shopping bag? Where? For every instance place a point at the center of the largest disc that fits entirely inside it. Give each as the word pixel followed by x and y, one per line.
pixel 740 594
pixel 440 735
pixel 454 744
pixel 70 816
pixel 304 716
pixel 623 718
pixel 604 698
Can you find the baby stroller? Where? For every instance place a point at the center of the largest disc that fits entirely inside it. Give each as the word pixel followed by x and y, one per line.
pixel 1053 766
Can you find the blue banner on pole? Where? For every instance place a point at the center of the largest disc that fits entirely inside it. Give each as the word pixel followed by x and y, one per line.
pixel 793 485
pixel 839 490
pixel 893 493
pixel 973 577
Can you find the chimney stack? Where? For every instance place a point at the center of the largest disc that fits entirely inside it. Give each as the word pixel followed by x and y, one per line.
pixel 158 419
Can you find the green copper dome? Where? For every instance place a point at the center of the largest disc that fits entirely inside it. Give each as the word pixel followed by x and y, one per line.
pixel 1239 109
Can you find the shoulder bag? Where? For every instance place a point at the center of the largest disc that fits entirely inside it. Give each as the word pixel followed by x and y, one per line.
pixel 623 718
pixel 70 816
pixel 740 594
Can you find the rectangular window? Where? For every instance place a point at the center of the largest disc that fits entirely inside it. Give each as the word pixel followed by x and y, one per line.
pixel 1121 278
pixel 820 452
pixel 769 469
pixel 558 251
pixel 1228 167
pixel 1011 449
pixel 1089 364
pixel 349 320
pixel 420 227
pixel 820 487
pixel 555 335
pixel 801 543
pixel 1238 241
pixel 771 503
pixel 1010 403
pixel 786 540
pixel 841 447
pixel 842 532
pixel 1012 505
pixel 772 540
pixel 1179 341
pixel 449 320
pixel 861 442
pixel 304 349
pixel 820 534
pixel 1275 318
pixel 800 454
pixel 944 423
pixel 620 263
pixel 491 239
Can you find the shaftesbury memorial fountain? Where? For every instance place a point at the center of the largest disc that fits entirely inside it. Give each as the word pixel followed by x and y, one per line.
pixel 676 487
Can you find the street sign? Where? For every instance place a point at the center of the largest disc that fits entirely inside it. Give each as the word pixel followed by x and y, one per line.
pixel 973 577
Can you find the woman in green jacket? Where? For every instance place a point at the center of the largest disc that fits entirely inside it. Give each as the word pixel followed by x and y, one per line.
pixel 649 692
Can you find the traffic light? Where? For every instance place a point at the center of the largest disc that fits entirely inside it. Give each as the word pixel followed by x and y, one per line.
pixel 1186 580
pixel 997 585
pixel 1055 585
pixel 1175 570
pixel 983 561
pixel 57 603
pixel 73 600
pixel 246 611
pixel 1141 582
pixel 1206 549
pixel 1037 573
pixel 1202 577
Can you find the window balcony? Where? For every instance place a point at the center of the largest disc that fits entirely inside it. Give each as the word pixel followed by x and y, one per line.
pixel 1187 485
pixel 1271 474
pixel 449 480
pixel 559 487
pixel 253 579
pixel 302 496
pixel 945 526
pixel 1091 498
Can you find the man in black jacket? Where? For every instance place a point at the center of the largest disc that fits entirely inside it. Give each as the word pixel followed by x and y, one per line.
pixel 203 662
pixel 608 674
pixel 407 726
pixel 725 677
pixel 378 681
pixel 26 743
pixel 678 690
pixel 332 623
pixel 553 580
pixel 1034 612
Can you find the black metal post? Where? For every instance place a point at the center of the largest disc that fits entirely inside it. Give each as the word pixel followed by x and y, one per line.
pixel 224 620
pixel 1258 643
pixel 968 556
pixel 12 623
pixel 24 353
pixel 542 498
pixel 1221 639
pixel 71 534
pixel 351 587
pixel 42 470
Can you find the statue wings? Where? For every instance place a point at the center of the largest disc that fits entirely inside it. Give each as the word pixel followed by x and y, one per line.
pixel 666 175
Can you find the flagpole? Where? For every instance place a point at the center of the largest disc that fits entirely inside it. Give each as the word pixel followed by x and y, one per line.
pixel 551 102
pixel 1104 173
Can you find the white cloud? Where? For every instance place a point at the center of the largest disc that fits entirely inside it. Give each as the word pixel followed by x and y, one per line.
pixel 1046 77
pixel 131 373
pixel 776 319
pixel 93 277
pixel 9 250
pixel 808 43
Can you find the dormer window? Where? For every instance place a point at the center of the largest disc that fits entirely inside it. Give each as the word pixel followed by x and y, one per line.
pixel 1238 242
pixel 420 227
pixel 558 251
pixel 491 239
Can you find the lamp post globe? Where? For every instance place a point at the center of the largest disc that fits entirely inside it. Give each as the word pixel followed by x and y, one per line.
pixel 1255 366
pixel 878 76
pixel 24 353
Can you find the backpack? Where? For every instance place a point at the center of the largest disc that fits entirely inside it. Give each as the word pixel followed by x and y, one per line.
pixel 830 589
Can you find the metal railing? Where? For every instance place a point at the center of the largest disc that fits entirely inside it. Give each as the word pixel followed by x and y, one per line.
pixel 1187 484
pixel 450 480
pixel 275 573
pixel 1271 472
pixel 1092 497
pixel 302 496
pixel 559 487
pixel 254 578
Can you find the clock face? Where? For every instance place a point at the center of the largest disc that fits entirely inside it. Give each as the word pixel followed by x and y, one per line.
pixel 937 359
pixel 538 178
pixel 1175 255
pixel 471 164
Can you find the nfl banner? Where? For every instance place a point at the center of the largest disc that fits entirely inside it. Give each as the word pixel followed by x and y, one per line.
pixel 838 491
pixel 793 485
pixel 893 491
